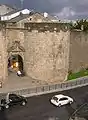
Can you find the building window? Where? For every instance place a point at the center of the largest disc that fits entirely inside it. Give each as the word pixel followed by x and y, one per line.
pixel 30 19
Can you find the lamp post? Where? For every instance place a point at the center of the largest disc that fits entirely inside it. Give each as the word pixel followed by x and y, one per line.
pixel 22 1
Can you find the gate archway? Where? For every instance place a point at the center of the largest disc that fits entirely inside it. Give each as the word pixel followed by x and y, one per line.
pixel 15 53
pixel 15 63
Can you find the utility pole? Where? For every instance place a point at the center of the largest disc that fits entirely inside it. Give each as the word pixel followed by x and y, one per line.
pixel 22 1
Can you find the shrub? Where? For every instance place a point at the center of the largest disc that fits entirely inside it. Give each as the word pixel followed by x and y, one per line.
pixel 87 68
pixel 70 72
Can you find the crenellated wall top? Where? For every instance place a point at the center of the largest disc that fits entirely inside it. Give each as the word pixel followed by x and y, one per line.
pixel 51 27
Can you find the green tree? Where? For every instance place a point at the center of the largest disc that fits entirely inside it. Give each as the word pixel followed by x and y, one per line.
pixel 81 24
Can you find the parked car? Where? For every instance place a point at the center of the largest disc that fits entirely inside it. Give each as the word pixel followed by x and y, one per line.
pixel 13 99
pixel 59 100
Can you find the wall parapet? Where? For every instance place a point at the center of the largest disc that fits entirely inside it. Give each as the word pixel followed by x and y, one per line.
pixel 51 27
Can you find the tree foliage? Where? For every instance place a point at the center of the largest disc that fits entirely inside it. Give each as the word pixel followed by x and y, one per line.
pixel 80 24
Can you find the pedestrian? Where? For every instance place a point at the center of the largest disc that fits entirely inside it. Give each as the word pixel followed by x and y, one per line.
pixel 19 73
pixel 7 98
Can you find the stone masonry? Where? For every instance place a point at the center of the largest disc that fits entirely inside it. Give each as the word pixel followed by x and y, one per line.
pixel 47 46
pixel 44 48
pixel 78 58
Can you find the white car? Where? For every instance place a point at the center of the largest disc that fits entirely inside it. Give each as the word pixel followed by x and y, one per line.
pixel 59 100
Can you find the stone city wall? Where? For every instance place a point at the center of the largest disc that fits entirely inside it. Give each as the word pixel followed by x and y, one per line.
pixel 78 58
pixel 3 55
pixel 47 51
pixel 12 35
pixel 50 50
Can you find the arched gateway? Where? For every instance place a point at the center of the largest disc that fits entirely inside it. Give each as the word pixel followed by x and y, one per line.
pixel 15 63
pixel 15 57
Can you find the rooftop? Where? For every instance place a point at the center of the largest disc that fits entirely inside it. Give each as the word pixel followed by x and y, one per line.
pixel 14 11
pixel 8 6
pixel 18 18
pixel 24 16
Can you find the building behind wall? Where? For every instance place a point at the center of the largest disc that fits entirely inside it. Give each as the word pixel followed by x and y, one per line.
pixel 4 9
pixel 33 17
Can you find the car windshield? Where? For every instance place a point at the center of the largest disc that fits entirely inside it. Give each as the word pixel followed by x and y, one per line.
pixel 55 98
pixel 19 96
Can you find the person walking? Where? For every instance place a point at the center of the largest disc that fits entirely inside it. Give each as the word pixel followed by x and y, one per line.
pixel 19 73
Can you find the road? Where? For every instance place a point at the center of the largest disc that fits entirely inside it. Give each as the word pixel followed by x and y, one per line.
pixel 40 108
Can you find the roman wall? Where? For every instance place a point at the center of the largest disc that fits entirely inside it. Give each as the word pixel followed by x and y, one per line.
pixel 47 51
pixel 14 35
pixel 44 49
pixel 3 55
pixel 78 58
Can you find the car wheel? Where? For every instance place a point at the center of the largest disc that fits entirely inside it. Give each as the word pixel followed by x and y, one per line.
pixel 59 105
pixel 70 102
pixel 23 103
pixel 7 106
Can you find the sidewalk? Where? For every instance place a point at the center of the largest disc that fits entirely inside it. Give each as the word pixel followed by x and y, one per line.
pixel 29 87
pixel 17 83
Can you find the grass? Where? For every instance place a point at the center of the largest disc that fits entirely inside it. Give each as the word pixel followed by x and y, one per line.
pixel 78 74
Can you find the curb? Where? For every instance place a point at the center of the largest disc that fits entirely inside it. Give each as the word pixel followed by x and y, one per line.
pixel 52 91
pixel 34 91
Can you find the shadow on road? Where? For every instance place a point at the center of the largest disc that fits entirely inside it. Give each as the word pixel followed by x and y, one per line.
pixel 3 115
pixel 80 113
pixel 69 109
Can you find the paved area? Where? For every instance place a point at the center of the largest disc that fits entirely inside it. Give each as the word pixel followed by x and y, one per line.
pixel 40 108
pixel 16 83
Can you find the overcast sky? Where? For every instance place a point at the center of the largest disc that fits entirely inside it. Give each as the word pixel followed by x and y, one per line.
pixel 69 9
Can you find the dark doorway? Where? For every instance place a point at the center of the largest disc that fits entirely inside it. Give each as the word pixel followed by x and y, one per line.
pixel 20 63
pixel 15 63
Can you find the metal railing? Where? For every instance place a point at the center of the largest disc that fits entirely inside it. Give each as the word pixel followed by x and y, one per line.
pixel 55 87
pixel 51 88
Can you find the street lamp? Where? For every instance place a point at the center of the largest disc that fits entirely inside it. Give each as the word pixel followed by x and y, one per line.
pixel 22 1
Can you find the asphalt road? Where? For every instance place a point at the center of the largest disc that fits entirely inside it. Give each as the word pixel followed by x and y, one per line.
pixel 40 108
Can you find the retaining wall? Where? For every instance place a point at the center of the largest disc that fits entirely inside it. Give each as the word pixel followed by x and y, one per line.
pixel 50 88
